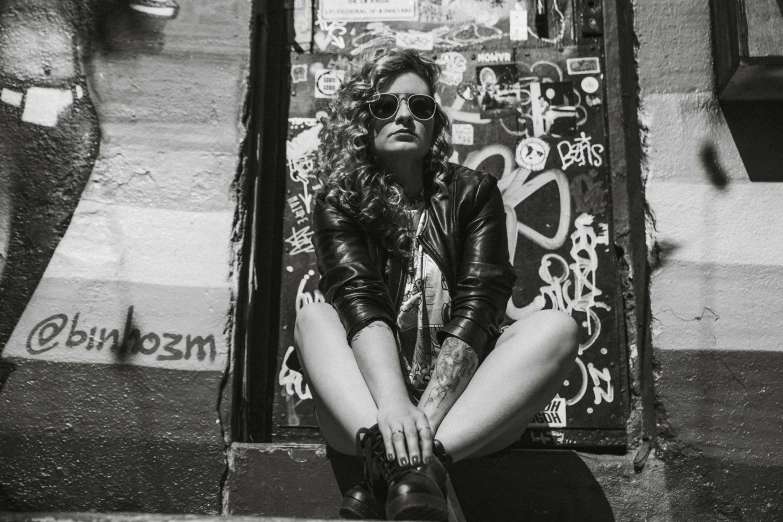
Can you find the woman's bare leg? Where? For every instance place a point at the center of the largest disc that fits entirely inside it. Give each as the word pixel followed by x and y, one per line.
pixel 342 399
pixel 528 365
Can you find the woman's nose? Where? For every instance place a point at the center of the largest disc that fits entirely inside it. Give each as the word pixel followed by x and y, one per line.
pixel 403 111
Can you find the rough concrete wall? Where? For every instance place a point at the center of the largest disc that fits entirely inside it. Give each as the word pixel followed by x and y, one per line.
pixel 116 354
pixel 717 281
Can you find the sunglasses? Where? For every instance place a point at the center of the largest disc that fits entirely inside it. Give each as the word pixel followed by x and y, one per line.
pixel 385 105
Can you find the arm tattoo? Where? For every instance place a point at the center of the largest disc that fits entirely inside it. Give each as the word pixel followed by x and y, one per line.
pixel 456 363
pixel 374 324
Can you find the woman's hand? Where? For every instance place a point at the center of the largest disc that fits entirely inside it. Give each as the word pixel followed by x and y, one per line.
pixel 406 433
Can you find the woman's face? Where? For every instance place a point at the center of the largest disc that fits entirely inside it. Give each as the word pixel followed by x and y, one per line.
pixel 402 134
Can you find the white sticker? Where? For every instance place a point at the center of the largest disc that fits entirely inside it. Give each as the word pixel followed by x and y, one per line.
pixel 328 82
pixel 299 73
pixel 453 66
pixel 368 10
pixel 517 24
pixel 495 57
pixel 415 40
pixel 462 134
pixel 583 65
pixel 553 415
pixel 532 154
pixel 590 84
pixel 11 97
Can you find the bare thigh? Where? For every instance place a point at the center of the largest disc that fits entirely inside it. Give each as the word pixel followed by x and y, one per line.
pixel 342 400
pixel 528 365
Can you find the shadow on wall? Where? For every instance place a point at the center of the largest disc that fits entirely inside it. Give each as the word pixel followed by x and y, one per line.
pixel 49 125
pixel 716 174
pixel 719 433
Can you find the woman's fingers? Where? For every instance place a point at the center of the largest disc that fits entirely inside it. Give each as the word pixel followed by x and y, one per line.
pixel 412 439
pixel 425 437
pixel 398 440
pixel 388 444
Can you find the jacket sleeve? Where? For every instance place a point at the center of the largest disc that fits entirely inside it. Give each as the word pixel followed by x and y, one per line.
pixel 485 277
pixel 350 281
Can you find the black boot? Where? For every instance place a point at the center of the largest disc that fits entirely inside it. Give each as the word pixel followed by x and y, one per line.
pixel 419 492
pixel 361 502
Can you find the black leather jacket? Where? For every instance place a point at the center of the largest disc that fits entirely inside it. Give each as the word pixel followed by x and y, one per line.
pixel 464 233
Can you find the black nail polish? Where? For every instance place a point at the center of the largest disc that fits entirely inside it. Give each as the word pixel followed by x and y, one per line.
pixel 414 460
pixel 403 461
pixel 390 457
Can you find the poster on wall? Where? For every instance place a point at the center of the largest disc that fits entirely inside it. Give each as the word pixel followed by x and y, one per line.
pixel 368 10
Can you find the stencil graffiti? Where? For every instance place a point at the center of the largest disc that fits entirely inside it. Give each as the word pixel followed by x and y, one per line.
pixel 50 140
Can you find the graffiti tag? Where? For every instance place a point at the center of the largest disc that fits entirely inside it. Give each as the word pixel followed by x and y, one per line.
pixel 300 241
pixel 53 332
pixel 581 152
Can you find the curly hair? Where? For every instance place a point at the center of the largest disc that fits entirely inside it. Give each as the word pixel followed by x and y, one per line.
pixel 349 179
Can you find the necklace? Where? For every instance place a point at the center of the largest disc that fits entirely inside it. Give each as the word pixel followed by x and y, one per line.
pixel 416 200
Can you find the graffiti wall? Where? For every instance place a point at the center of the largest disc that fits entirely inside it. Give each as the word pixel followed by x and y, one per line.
pixel 524 90
pixel 80 206
pixel 120 133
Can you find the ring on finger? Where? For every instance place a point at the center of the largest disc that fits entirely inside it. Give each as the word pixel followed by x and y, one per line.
pixel 395 432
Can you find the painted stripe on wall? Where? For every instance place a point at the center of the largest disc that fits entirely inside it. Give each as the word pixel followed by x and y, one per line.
pixel 139 175
pixel 703 224
pixel 708 306
pixel 179 327
pixel 145 245
pixel 689 141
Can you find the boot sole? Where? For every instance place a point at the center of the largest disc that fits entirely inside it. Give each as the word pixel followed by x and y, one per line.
pixel 352 509
pixel 418 506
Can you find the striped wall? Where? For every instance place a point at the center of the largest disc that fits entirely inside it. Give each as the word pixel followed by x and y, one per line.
pixel 717 327
pixel 720 256
pixel 150 241
pixel 85 424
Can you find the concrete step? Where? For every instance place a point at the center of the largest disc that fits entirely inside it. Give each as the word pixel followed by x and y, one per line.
pixel 304 480
pixel 137 517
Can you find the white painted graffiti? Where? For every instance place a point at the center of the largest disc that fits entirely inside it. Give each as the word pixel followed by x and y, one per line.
pixel 581 152
pixel 515 188
pixel 599 377
pixel 291 380
pixel 300 241
pixel 304 297
pixel 576 295
pixel 300 154
pixel 332 33
pixel 583 268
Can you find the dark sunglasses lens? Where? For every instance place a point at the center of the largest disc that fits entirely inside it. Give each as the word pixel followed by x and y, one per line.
pixel 423 107
pixel 384 107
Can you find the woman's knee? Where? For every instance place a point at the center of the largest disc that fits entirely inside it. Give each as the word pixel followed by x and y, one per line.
pixel 312 317
pixel 551 331
pixel 562 331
